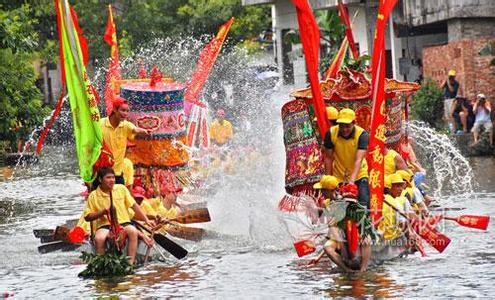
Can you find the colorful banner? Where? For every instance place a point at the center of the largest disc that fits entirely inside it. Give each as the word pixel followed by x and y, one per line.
pixel 205 64
pixel 110 38
pixel 310 38
pixel 344 16
pixel 377 135
pixel 82 98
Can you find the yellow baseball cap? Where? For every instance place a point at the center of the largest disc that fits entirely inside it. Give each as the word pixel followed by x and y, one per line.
pixel 452 73
pixel 387 182
pixel 346 116
pixel 406 175
pixel 327 182
pixel 396 178
pixel 332 113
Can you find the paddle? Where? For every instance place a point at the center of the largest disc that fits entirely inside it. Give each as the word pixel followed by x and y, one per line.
pixel 200 215
pixel 477 222
pixel 173 248
pixel 187 233
pixel 38 233
pixel 436 239
pixel 64 246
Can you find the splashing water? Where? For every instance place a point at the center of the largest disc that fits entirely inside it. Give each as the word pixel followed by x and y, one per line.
pixel 449 172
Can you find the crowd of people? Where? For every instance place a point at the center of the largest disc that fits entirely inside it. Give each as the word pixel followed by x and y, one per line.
pixel 466 115
pixel 346 180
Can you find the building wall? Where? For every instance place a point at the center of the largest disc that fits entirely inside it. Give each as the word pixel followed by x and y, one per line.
pixel 471 28
pixel 422 12
pixel 474 72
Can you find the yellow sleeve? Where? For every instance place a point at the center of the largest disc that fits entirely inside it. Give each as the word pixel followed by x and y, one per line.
pixel 90 206
pixel 129 130
pixel 212 131
pixel 128 199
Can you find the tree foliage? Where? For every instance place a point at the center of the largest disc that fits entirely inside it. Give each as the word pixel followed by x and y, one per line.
pixel 427 104
pixel 20 99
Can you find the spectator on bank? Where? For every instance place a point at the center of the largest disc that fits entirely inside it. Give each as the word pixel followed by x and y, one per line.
pixel 482 110
pixel 462 112
pixel 451 88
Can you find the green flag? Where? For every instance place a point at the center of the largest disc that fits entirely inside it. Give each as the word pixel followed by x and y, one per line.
pixel 82 95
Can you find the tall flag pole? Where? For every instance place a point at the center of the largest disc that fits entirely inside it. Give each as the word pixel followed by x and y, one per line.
pixel 197 129
pixel 205 63
pixel 310 38
pixel 82 95
pixel 377 136
pixel 344 17
pixel 337 60
pixel 113 74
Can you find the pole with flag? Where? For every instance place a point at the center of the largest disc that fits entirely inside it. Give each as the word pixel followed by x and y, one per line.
pixel 113 74
pixel 197 129
pixel 82 95
pixel 344 17
pixel 310 38
pixel 377 135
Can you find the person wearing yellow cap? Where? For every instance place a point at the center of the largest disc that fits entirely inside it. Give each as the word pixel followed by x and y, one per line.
pixel 412 193
pixel 328 185
pixel 332 115
pixel 451 88
pixel 344 149
pixel 392 223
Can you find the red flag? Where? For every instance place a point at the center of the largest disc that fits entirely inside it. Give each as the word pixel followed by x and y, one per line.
pixel 344 16
pixel 113 74
pixel 337 60
pixel 205 63
pixel 310 38
pixel 377 135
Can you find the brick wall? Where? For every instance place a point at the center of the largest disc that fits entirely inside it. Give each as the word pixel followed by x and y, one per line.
pixel 471 28
pixel 474 72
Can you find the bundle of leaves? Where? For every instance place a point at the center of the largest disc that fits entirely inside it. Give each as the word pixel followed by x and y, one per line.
pixel 111 263
pixel 359 214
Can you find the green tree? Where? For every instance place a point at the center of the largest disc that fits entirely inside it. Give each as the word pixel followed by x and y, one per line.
pixel 427 105
pixel 20 99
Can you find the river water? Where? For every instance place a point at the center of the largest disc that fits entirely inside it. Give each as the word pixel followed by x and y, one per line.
pixel 247 252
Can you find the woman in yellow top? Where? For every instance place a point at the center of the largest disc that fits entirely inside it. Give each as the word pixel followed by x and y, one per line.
pixel 98 208
pixel 221 131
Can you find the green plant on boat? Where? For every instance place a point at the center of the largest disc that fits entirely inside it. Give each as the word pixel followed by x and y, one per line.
pixel 111 263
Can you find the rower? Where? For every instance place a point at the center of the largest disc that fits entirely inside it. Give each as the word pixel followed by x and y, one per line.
pixel 98 206
pixel 344 149
pixel 328 186
pixel 412 193
pixel 332 115
pixel 340 250
pixel 392 224
pixel 221 130
pixel 393 161
pixel 116 132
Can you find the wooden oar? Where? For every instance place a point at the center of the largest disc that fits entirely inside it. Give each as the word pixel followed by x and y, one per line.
pixel 38 233
pixel 166 243
pixel 187 233
pixel 435 238
pixel 64 246
pixel 199 215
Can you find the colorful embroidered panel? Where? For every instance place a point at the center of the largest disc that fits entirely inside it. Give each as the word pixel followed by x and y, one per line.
pixel 161 110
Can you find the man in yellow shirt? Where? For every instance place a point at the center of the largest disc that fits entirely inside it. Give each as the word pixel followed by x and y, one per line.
pixel 393 161
pixel 392 224
pixel 98 206
pixel 221 131
pixel 116 132
pixel 344 149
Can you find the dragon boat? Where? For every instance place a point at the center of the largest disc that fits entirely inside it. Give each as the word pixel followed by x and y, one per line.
pixel 302 140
